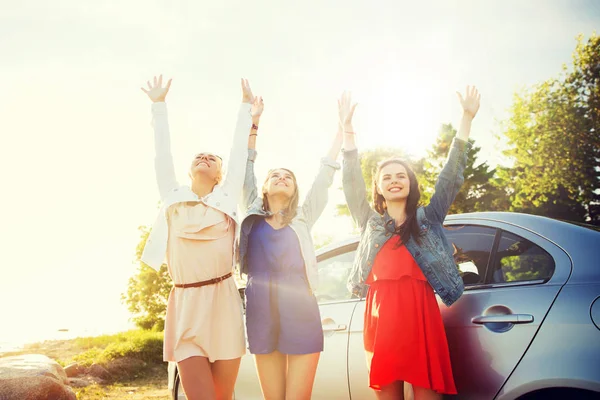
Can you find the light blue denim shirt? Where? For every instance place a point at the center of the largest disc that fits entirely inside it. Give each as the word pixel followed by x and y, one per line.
pixel 307 214
pixel 433 254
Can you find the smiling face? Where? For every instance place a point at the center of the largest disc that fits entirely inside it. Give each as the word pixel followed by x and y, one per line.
pixel 280 182
pixel 393 182
pixel 208 165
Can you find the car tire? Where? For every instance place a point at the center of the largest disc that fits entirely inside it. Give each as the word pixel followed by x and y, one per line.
pixel 560 394
pixel 178 393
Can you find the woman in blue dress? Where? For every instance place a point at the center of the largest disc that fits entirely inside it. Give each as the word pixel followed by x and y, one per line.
pixel 277 254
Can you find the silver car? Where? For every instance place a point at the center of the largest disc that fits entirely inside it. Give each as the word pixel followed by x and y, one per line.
pixel 527 326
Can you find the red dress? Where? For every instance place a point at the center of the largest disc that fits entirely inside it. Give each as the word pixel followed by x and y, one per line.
pixel 404 335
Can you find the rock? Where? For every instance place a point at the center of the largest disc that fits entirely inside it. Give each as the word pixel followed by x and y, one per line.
pixel 35 388
pixel 99 371
pixel 31 365
pixel 73 370
pixel 96 380
pixel 80 382
pixel 125 366
pixel 71 394
pixel 31 377
pixel 84 381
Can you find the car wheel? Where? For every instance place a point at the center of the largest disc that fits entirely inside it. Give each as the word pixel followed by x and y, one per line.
pixel 178 393
pixel 560 393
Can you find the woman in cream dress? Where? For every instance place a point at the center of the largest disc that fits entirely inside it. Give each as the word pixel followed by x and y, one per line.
pixel 195 231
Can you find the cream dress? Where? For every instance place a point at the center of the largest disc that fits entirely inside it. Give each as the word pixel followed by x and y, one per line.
pixel 203 321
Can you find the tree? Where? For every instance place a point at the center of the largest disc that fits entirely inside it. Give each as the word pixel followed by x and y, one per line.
pixel 368 163
pixel 148 291
pixel 554 141
pixel 477 193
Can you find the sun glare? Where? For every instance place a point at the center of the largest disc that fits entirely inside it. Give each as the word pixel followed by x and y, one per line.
pixel 404 115
pixel 405 96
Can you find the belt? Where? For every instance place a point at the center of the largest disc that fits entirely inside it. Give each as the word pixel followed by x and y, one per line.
pixel 203 283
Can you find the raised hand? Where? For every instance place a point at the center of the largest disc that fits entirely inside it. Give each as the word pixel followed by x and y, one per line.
pixel 157 92
pixel 346 111
pixel 257 108
pixel 247 96
pixel 470 103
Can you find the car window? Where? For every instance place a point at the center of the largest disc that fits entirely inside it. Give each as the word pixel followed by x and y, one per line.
pixel 472 246
pixel 333 276
pixel 518 260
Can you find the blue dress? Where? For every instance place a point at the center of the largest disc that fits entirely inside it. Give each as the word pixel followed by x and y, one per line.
pixel 281 311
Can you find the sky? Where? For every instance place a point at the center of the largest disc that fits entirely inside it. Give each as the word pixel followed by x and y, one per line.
pixel 76 159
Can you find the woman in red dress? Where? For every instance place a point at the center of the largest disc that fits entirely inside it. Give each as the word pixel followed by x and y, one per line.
pixel 402 254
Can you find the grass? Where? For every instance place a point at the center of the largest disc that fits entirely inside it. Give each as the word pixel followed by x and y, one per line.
pixel 149 382
pixel 151 386
pixel 143 345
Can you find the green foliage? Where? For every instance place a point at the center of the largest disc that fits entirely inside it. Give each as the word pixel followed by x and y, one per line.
pixel 148 291
pixel 478 192
pixel 554 142
pixel 147 348
pixel 526 268
pixel 89 357
pixel 143 345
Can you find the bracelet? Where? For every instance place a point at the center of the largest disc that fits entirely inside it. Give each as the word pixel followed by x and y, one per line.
pixel 254 134
pixel 350 133
pixel 254 126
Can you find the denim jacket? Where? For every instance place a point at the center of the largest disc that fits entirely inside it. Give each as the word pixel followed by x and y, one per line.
pixel 434 253
pixel 307 214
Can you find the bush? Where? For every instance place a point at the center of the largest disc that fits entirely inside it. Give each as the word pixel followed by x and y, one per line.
pixel 143 345
pixel 147 291
pixel 148 348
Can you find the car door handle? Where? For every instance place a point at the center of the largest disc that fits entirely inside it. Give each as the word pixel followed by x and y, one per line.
pixel 334 328
pixel 503 319
pixel 329 325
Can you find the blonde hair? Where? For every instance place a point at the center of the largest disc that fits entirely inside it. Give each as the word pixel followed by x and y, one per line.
pixel 289 213
pixel 219 178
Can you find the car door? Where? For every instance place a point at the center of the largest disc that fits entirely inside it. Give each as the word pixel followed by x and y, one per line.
pixel 357 362
pixel 336 307
pixel 511 276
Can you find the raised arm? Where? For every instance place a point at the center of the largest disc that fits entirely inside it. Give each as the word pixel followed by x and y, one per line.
pixel 236 165
pixel 250 189
pixel 318 195
pixel 163 161
pixel 353 182
pixel 452 177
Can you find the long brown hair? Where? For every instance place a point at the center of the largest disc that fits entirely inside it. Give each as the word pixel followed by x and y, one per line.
pixel 289 213
pixel 409 227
